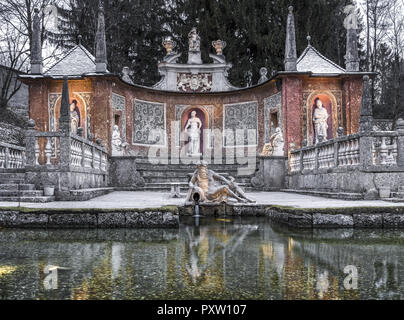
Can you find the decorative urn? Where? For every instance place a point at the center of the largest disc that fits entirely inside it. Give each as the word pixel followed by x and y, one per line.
pixel 219 46
pixel 169 44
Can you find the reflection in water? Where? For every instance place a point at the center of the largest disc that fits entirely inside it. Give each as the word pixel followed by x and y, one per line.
pixel 240 259
pixel 197 239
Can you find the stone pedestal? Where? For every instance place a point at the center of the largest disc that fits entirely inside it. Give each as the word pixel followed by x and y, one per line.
pixel 271 174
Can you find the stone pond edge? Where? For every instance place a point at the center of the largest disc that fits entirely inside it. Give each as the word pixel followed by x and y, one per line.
pixel 169 217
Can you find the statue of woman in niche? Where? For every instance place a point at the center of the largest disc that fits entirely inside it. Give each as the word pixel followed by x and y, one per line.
pixel 320 121
pixel 193 128
pixel 75 116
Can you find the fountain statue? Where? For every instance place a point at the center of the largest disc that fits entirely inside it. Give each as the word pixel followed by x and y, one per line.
pixel 214 188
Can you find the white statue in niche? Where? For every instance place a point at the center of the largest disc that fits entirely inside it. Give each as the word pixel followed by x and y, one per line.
pixel 193 128
pixel 320 121
pixel 74 116
pixel 116 141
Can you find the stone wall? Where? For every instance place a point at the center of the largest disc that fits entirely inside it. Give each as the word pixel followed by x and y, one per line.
pixel 11 134
pixel 345 180
pixel 176 105
pixel 123 174
pixel 89 219
pixel 110 101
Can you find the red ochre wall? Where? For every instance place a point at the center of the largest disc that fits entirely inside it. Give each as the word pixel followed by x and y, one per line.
pixel 294 90
pixel 171 99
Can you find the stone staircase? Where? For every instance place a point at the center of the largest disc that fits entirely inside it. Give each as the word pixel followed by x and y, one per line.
pixel 14 189
pixel 159 178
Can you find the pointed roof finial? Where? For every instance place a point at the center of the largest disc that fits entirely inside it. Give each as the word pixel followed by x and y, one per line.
pixel 101 45
pixel 79 38
pixel 352 60
pixel 308 40
pixel 36 50
pixel 290 46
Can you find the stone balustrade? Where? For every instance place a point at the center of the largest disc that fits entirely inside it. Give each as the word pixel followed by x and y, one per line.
pixel 11 156
pixel 348 152
pixel 385 148
pixel 54 150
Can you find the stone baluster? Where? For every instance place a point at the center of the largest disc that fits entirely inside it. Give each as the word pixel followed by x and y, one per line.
pixel 2 157
pixel 48 151
pixel 395 150
pixel 37 151
pixel 301 161
pixel 93 157
pixel 383 152
pixel 400 143
pixel 355 146
pixel 349 153
pixel 336 150
pixel 83 154
pixel 7 157
pixel 374 153
pixel 316 166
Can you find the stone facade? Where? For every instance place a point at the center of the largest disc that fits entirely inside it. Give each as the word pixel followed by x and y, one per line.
pixel 105 97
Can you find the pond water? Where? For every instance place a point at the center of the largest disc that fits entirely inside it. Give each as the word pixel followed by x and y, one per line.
pixel 215 259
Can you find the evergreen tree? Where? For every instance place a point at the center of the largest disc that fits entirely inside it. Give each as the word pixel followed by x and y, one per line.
pixel 254 31
pixel 134 32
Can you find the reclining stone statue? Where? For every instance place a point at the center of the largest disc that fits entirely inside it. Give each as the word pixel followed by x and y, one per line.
pixel 214 188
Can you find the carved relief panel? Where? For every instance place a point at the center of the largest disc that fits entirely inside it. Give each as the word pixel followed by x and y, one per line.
pixel 188 82
pixel 149 123
pixel 240 118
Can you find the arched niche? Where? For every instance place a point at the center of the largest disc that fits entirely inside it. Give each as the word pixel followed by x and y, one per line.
pixel 203 115
pixel 330 103
pixel 76 102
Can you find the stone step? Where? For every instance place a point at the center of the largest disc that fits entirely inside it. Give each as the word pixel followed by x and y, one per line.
pixel 189 169
pixel 12 181
pixel 13 187
pixel 88 194
pixel 12 171
pixel 224 160
pixel 184 186
pixel 328 194
pixel 27 199
pixel 23 193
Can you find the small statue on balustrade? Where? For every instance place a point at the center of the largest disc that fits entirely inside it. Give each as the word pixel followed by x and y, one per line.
pixel 275 146
pixel 118 146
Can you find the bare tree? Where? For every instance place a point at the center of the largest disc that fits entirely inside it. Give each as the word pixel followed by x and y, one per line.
pixel 13 59
pixel 19 14
pixel 395 35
